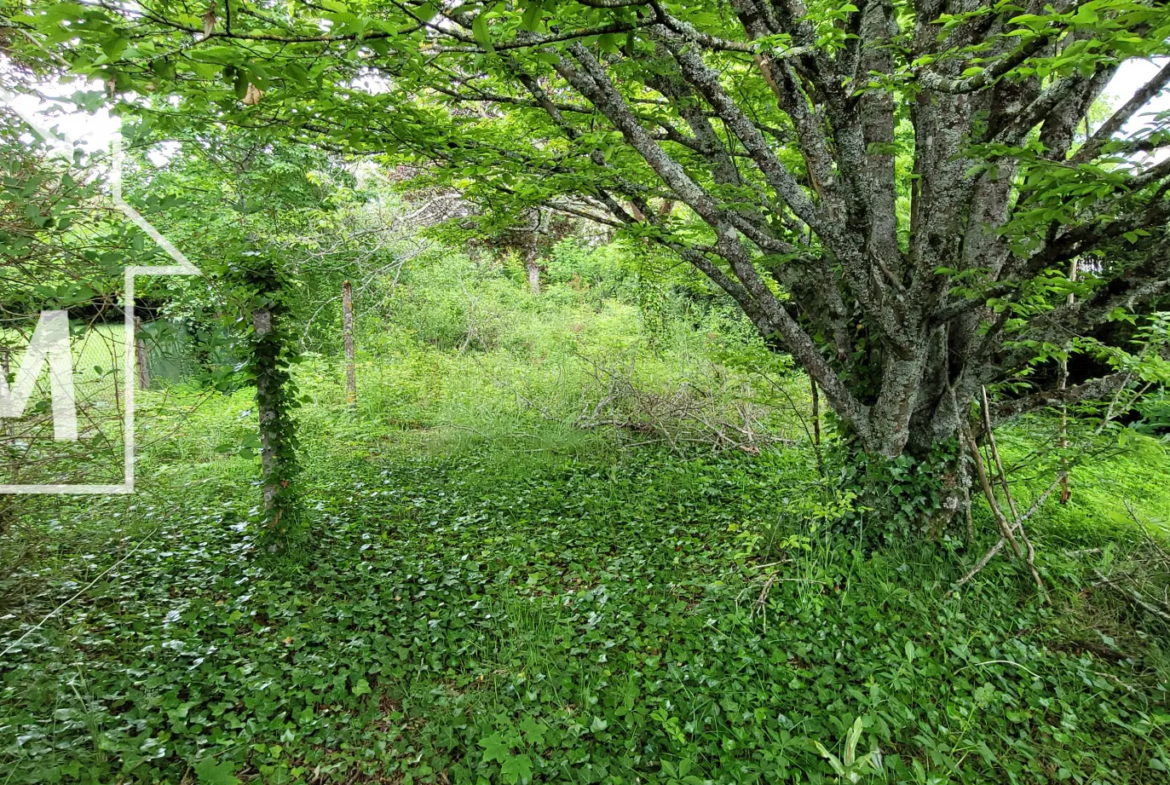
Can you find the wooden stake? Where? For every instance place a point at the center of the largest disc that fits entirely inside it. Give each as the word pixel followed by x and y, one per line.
pixel 816 419
pixel 347 330
pixel 996 512
pixel 1007 491
pixel 1006 528
pixel 816 413
pixel 532 265
pixel 1065 492
pixel 6 369
pixel 141 356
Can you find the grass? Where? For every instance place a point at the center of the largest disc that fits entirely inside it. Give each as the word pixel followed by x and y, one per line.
pixel 484 591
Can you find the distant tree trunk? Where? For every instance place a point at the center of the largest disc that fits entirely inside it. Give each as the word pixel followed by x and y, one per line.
pixel 347 331
pixel 141 356
pixel 266 396
pixel 816 423
pixel 533 265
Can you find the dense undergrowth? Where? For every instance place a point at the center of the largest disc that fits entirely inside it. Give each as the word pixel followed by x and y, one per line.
pixel 497 581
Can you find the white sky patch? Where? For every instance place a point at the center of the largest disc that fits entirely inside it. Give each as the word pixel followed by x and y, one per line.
pixel 162 153
pixel 1131 77
pixel 92 132
pixel 372 84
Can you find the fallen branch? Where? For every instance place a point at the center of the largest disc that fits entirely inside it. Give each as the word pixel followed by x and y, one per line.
pixel 1133 596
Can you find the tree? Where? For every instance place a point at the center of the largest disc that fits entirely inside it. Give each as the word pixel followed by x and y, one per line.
pixel 892 192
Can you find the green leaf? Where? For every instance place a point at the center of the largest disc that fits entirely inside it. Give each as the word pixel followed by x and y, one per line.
pixel 834 761
pixel 531 17
pixel 361 687
pixel 297 74
pixel 517 769
pixel 479 30
pixel 495 748
pixel 380 45
pixel 113 47
pixel 240 85
pixel 209 772
pixel 534 730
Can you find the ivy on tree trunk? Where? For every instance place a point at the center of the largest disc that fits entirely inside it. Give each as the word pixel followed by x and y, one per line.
pixel 272 353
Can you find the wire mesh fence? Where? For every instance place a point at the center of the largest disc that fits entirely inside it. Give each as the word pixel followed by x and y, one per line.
pixel 31 452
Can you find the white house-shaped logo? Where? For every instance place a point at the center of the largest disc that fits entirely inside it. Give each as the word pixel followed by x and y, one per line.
pixel 50 342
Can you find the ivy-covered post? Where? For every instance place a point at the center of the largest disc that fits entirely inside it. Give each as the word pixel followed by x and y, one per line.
pixel 9 433
pixel 265 394
pixel 9 429
pixel 276 395
pixel 347 331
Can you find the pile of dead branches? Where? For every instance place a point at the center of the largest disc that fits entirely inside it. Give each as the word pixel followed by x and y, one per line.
pixel 709 410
